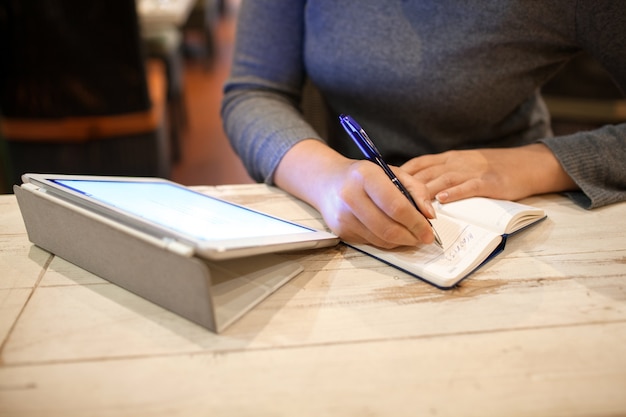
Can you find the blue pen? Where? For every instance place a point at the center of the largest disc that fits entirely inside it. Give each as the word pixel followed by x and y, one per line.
pixel 370 151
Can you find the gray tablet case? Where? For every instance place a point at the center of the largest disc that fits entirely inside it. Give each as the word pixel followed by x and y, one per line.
pixel 211 294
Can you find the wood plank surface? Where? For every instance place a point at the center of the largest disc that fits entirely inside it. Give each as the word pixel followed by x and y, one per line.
pixel 541 330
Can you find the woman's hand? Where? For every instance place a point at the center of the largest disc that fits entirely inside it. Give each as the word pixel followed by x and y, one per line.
pixel 508 173
pixel 357 200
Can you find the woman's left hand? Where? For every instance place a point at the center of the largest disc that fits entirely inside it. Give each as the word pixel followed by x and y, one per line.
pixel 504 173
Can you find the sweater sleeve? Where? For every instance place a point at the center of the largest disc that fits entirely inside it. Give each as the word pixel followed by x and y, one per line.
pixel 596 160
pixel 260 108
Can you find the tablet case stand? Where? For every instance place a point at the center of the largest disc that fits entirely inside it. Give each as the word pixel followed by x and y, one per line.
pixel 212 294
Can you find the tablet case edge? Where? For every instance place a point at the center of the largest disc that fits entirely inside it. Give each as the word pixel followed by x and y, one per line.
pixel 179 283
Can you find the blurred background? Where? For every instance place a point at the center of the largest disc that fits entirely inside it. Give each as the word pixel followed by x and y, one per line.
pixel 116 88
pixel 133 87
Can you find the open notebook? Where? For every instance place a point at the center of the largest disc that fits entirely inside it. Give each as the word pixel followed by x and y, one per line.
pixel 472 232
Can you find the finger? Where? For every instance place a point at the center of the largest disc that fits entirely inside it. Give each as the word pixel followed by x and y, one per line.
pixel 386 215
pixel 406 214
pixel 383 209
pixel 423 198
pixel 357 232
pixel 344 223
pixel 446 181
pixel 361 204
pixel 423 162
pixel 428 176
pixel 427 173
pixel 419 192
pixel 466 189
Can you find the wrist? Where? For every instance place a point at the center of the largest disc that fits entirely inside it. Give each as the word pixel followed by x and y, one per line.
pixel 547 173
pixel 303 169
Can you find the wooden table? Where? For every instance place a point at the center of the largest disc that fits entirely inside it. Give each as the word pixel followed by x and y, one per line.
pixel 540 331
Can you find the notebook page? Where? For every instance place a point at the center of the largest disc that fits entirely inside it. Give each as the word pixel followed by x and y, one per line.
pixel 499 215
pixel 465 247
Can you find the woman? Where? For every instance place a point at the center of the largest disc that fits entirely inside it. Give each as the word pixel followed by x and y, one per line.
pixel 448 91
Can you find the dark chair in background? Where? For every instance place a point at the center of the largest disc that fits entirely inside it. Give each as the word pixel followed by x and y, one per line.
pixel 582 96
pixel 201 23
pixel 76 92
pixel 165 43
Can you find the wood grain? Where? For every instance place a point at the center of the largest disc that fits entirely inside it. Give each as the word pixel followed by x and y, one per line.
pixel 541 330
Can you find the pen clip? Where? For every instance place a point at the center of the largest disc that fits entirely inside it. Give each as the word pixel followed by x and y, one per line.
pixel 366 145
pixel 370 151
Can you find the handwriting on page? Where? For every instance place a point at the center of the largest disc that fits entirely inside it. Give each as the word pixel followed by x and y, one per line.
pixel 462 244
pixel 456 240
pixel 459 247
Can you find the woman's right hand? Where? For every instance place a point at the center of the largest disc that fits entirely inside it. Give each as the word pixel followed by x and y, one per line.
pixel 356 199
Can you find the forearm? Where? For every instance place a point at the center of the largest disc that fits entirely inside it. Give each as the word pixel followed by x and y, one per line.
pixel 262 94
pixel 536 170
pixel 261 127
pixel 301 170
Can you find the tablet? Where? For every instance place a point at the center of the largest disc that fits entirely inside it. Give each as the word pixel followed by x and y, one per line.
pixel 213 228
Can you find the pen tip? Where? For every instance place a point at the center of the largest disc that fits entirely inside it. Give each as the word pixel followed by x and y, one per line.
pixel 438 240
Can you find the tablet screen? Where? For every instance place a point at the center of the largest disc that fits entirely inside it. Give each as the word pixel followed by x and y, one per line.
pixel 183 210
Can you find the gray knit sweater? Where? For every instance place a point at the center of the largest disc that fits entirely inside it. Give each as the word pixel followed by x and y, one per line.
pixel 423 77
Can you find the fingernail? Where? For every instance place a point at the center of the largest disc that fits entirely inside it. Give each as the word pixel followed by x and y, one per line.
pixel 442 196
pixel 430 209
